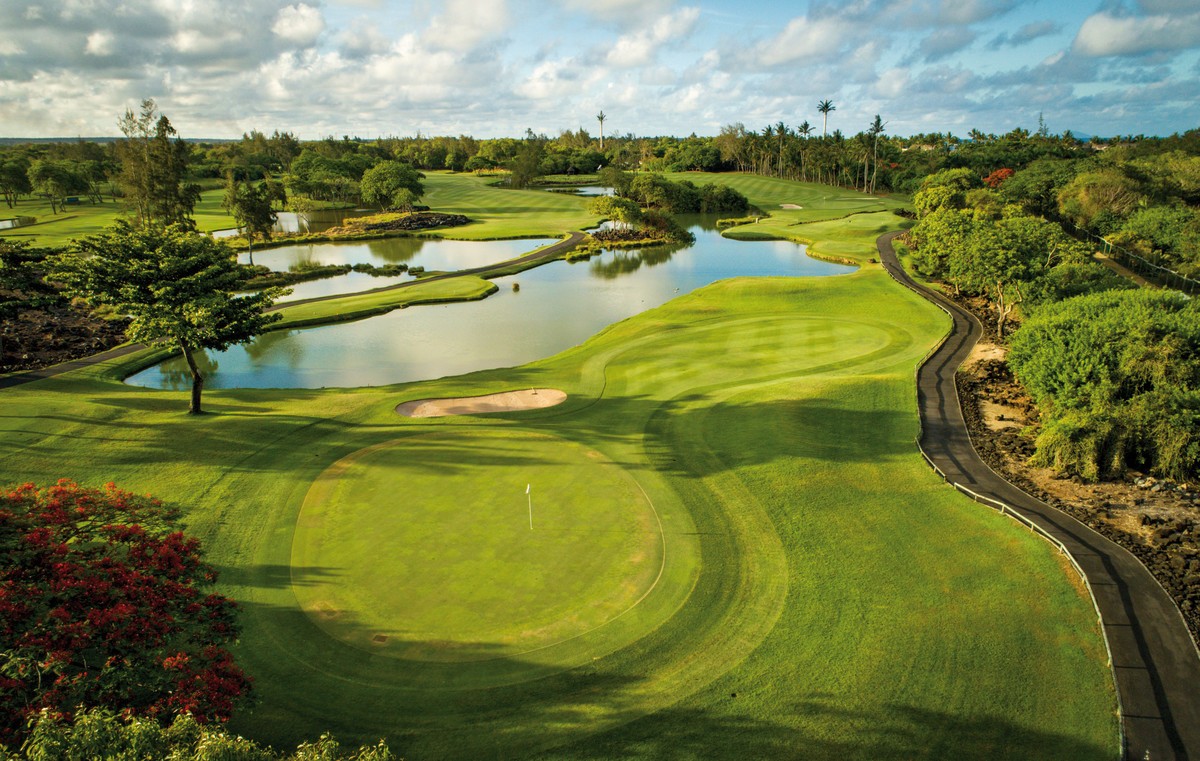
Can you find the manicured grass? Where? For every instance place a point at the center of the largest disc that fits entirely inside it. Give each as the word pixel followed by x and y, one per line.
pixel 367 303
pixel 823 595
pixel 463 568
pixel 503 213
pixel 816 202
pixel 76 221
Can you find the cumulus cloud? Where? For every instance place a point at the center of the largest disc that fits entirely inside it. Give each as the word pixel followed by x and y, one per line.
pixel 491 68
pixel 1106 34
pixel 99 43
pixel 639 48
pixel 806 38
pixel 300 23
pixel 466 24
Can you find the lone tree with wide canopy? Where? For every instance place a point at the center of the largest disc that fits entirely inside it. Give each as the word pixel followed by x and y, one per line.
pixel 176 285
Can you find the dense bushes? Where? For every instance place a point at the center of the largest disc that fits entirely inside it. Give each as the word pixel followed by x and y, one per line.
pixel 99 734
pixel 653 191
pixel 1117 376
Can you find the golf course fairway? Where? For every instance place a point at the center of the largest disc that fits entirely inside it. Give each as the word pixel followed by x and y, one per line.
pixel 750 557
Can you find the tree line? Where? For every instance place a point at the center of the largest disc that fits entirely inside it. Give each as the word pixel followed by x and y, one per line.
pixel 1115 371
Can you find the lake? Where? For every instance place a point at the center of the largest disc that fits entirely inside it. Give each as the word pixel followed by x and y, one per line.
pixel 431 253
pixel 559 305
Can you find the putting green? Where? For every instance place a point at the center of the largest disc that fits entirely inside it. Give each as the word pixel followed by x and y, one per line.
pixel 430 560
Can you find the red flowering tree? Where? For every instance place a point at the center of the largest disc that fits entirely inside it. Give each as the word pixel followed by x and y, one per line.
pixel 102 605
pixel 997 178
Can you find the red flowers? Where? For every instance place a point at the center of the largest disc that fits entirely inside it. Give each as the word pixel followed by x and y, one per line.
pixel 101 605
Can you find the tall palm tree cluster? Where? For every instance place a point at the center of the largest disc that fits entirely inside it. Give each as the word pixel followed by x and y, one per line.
pixel 793 153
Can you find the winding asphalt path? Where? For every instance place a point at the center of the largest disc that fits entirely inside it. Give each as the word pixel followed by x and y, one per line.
pixel 541 256
pixel 1155 662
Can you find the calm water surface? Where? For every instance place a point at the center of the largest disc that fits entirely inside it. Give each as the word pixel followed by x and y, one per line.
pixel 430 253
pixel 559 305
pixel 308 222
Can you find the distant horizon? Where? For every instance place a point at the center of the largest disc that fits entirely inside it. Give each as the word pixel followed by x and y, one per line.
pixel 654 67
pixel 17 140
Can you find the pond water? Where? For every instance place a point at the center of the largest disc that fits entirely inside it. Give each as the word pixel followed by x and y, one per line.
pixel 582 190
pixel 558 306
pixel 430 253
pixel 8 224
pixel 308 222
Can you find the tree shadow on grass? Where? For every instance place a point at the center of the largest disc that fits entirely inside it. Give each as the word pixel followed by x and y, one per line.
pixel 895 733
pixel 596 711
pixel 274 576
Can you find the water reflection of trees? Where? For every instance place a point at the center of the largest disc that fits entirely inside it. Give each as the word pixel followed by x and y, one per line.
pixel 628 261
pixel 263 344
pixel 396 250
pixel 705 222
pixel 177 377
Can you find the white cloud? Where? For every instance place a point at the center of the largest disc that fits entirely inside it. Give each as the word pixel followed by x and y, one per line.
pixel 892 83
pixel 300 23
pixel 99 43
pixel 1104 34
pixel 465 24
pixel 806 39
pixel 196 42
pixel 638 48
pixel 559 78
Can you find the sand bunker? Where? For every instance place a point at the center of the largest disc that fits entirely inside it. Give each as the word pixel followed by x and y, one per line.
pixel 507 401
pixel 790 206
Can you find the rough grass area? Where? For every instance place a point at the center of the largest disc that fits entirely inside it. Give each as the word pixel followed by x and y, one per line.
pixel 824 596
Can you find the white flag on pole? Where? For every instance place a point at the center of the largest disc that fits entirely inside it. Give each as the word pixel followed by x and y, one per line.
pixel 527 488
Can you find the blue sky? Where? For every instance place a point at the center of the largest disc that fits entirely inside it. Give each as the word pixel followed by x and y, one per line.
pixel 492 68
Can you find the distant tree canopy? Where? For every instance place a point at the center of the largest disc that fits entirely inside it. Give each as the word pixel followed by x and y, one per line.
pixel 1117 376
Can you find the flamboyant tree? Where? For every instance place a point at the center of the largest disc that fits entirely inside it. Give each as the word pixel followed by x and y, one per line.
pixel 176 285
pixel 103 604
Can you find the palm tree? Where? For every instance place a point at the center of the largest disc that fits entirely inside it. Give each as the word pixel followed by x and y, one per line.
pixel 601 117
pixel 782 131
pixel 804 130
pixel 825 107
pixel 875 130
pixel 768 133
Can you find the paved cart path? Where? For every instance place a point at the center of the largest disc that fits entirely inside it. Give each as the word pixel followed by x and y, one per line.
pixel 1155 661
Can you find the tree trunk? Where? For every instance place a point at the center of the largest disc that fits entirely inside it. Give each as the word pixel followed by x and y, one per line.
pixel 197 379
pixel 1002 312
